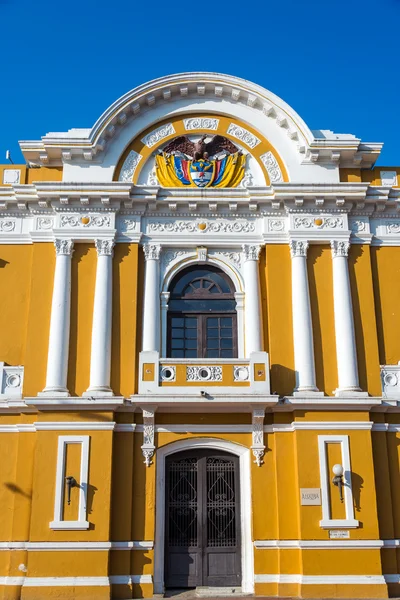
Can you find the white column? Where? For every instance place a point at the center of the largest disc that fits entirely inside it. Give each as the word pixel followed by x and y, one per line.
pixel 100 360
pixel 302 323
pixel 252 306
pixel 151 300
pixel 57 360
pixel 344 325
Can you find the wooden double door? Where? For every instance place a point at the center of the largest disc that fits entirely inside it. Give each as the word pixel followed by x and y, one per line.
pixel 202 541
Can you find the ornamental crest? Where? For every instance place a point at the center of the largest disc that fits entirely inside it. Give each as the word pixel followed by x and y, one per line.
pixel 216 163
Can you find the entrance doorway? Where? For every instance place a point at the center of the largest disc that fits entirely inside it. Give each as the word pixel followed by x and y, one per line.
pixel 202 520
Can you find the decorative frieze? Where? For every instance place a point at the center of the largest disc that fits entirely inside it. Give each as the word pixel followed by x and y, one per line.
pixel 390 377
pixel 130 165
pixel 200 123
pixel 45 223
pixel 204 373
pixel 241 373
pixel 7 225
pixel 152 251
pixel 11 379
pixel 298 248
pixel 202 226
pixel 276 225
pixel 318 223
pixel 257 445
pixel 169 256
pixel 243 135
pixel 155 136
pixel 77 220
pixel 64 247
pixel 393 227
pixel 272 166
pixel 251 252
pixel 339 248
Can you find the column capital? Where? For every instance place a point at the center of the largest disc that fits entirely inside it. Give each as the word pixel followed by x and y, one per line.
pixel 298 248
pixel 339 248
pixel 251 252
pixel 64 247
pixel 151 251
pixel 104 247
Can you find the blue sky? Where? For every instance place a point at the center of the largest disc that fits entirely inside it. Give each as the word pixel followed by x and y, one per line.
pixel 337 63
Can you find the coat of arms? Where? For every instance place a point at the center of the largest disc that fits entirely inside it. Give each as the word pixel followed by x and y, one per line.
pixel 216 163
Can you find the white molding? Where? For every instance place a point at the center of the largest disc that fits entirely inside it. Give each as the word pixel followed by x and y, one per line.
pixel 327 522
pixel 12 580
pixel 65 581
pixel 321 544
pixel 74 426
pixel 125 427
pixel 321 579
pixel 245 503
pixel 58 522
pixel 319 426
pixel 129 579
pixel 76 546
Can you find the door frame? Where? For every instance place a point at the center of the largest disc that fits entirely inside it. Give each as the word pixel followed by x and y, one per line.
pixel 247 553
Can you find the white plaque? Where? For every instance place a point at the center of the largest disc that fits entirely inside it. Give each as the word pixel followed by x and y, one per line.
pixel 310 496
pixel 389 178
pixel 339 534
pixel 11 176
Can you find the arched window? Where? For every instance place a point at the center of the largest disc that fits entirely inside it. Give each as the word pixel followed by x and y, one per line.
pixel 202 314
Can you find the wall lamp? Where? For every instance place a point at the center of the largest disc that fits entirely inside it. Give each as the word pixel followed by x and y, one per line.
pixel 338 479
pixel 71 482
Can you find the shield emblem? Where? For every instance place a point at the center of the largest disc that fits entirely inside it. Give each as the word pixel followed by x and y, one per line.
pixel 202 172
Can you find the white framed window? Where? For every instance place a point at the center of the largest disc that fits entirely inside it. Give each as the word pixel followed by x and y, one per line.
pixel 59 522
pixel 327 522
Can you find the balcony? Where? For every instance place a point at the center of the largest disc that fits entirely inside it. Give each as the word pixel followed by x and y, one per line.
pixel 204 381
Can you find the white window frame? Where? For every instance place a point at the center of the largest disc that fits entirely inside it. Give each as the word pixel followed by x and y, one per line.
pixel 327 522
pixel 59 522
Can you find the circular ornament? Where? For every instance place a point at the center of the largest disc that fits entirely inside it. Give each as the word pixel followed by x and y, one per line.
pixel 202 226
pixel 13 381
pixel 390 379
pixel 85 220
pixel 318 222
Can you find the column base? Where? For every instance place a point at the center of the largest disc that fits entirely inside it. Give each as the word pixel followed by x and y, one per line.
pixel 307 393
pixel 350 393
pixel 98 392
pixel 55 392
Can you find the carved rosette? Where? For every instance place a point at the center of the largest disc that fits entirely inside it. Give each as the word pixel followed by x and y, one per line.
pixel 339 248
pixel 251 252
pixel 258 446
pixel 152 251
pixel 298 248
pixel 64 247
pixel 148 446
pixel 104 247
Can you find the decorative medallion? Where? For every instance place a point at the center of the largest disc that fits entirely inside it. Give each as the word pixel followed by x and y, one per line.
pixel 217 163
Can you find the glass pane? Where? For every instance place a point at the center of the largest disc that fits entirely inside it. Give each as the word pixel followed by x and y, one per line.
pixel 226 333
pixel 213 343
pixel 226 322
pixel 191 353
pixel 212 333
pixel 212 354
pixel 192 343
pixel 177 333
pixel 226 353
pixel 226 343
pixel 177 354
pixel 191 333
pixel 176 343
pixel 177 322
pixel 212 322
pixel 191 322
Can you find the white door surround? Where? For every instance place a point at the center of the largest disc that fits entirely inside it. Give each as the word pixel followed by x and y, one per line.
pixel 245 505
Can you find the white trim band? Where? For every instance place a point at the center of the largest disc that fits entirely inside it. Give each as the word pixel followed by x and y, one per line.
pixel 322 579
pixel 76 546
pixel 323 544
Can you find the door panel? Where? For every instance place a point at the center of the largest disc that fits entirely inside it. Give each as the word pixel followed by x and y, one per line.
pixel 202 542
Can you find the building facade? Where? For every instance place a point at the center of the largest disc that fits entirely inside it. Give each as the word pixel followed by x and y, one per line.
pixel 200 316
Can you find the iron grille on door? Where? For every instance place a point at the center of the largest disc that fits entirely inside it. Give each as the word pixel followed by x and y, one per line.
pixel 202 520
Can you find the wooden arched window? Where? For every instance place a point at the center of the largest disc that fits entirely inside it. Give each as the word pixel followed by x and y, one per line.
pixel 202 314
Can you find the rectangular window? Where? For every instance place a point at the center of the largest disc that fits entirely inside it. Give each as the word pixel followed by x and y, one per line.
pixel 202 336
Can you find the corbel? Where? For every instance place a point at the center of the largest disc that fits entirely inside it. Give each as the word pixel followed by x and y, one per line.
pixel 66 154
pixel 251 100
pixel 218 90
pixel 184 90
pixel 44 158
pixel 148 447
pixel 150 99
pixel 135 107
pixel 257 445
pixel 201 90
pixel 235 95
pixel 122 118
pixel 233 206
pixel 111 130
pixel 166 94
pixel 87 155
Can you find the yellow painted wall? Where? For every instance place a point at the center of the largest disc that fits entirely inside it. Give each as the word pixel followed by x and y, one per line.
pixel 124 324
pixel 371 176
pixel 37 331
pixel 83 279
pixel 279 317
pixel 22 168
pixel 319 265
pixel 362 290
pixel 44 174
pixel 385 263
pixel 15 282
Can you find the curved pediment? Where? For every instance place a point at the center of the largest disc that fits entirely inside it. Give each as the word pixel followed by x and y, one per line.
pixel 95 154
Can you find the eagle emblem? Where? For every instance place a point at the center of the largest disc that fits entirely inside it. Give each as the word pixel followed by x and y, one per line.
pixel 216 163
